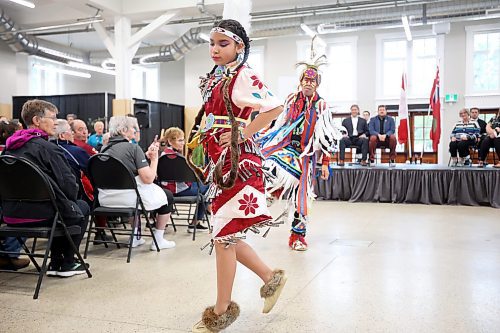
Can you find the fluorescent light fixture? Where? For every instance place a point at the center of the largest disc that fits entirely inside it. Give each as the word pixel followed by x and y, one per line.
pixel 91 68
pixel 307 30
pixel 406 26
pixel 204 36
pixel 142 60
pixel 60 54
pixel 24 3
pixel 62 71
pixel 108 63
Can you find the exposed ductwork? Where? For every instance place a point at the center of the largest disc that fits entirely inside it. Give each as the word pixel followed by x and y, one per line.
pixel 21 42
pixel 178 49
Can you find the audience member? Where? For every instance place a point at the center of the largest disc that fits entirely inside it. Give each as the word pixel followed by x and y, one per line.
pixel 105 139
pixel 474 116
pixel 366 115
pixel 95 140
pixel 464 135
pixel 492 139
pixel 80 134
pixel 382 128
pixel 10 244
pixel 174 140
pixel 154 197
pixel 357 134
pixel 70 117
pixel 32 144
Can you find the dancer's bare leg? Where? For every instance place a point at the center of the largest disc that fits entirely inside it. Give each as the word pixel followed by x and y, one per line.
pixel 246 255
pixel 226 270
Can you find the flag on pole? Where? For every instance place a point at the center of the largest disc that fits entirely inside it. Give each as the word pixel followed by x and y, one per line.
pixel 435 105
pixel 403 113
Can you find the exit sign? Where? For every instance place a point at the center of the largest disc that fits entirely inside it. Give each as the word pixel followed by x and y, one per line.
pixel 451 98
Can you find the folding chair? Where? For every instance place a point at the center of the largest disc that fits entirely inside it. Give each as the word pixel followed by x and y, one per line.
pixel 22 181
pixel 177 170
pixel 107 172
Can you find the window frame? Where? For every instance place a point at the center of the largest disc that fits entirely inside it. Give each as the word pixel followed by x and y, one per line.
pixel 379 79
pixel 470 93
pixel 353 41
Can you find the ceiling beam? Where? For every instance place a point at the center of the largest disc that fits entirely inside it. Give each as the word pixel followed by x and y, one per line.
pixel 151 27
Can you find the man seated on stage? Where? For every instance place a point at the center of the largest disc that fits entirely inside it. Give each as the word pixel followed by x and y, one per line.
pixel 474 116
pixel 366 115
pixel 492 139
pixel 357 135
pixel 382 129
pixel 464 135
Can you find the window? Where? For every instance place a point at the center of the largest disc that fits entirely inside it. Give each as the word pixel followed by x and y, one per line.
pixel 417 58
pixel 338 85
pixel 256 60
pixel 486 61
pixel 422 125
pixel 482 64
pixel 45 81
pixel 144 82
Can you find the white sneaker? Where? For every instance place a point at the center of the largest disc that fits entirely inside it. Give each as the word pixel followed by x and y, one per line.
pixel 162 244
pixel 137 242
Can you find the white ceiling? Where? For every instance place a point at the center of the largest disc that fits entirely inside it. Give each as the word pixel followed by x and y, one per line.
pixel 52 12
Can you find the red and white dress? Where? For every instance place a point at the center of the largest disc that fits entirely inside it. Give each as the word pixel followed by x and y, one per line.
pixel 243 206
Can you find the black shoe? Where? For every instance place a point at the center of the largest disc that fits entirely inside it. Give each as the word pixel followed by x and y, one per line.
pixel 392 163
pixel 53 268
pixel 73 269
pixel 102 237
pixel 199 227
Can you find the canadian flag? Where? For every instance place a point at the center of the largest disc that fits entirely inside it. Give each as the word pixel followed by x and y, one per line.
pixel 403 113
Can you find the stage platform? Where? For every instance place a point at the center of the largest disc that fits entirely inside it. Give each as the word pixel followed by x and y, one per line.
pixel 410 183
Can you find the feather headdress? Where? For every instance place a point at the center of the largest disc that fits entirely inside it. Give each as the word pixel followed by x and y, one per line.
pixel 238 10
pixel 311 67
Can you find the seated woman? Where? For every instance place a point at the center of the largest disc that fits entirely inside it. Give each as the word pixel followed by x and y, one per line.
pixel 122 130
pixel 173 138
pixel 492 139
pixel 464 135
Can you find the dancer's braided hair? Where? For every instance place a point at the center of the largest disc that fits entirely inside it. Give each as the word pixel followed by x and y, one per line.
pixel 236 28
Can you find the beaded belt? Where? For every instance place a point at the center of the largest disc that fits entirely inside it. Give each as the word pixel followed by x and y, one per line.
pixel 221 122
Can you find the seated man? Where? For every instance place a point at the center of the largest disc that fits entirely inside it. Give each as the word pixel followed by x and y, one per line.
pixel 81 133
pixel 464 135
pixel 32 144
pixel 357 134
pixel 382 128
pixel 492 139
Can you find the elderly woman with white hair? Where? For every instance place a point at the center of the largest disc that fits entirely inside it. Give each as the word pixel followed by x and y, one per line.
pixel 122 131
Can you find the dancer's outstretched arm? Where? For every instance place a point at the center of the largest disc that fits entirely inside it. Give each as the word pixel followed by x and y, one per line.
pixel 262 120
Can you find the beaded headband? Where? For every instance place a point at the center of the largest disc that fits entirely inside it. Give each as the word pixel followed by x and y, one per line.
pixel 227 33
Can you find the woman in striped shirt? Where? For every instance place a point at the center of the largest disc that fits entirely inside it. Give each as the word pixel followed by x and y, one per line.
pixel 464 135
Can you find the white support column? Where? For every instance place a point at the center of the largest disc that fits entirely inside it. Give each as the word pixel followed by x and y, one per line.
pixel 123 59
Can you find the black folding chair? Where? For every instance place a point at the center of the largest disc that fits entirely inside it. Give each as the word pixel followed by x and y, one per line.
pixel 108 173
pixel 177 170
pixel 23 182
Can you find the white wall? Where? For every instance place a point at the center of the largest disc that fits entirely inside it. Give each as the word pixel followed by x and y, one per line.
pixel 8 73
pixel 172 82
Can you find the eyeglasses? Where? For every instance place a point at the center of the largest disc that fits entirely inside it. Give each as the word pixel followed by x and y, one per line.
pixel 53 118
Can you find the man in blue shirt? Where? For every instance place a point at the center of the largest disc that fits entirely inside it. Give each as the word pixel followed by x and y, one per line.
pixel 382 128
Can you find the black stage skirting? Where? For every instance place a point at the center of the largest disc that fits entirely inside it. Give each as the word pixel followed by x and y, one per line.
pixel 427 184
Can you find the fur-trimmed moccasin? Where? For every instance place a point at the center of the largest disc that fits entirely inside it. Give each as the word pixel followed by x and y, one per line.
pixel 211 322
pixel 272 289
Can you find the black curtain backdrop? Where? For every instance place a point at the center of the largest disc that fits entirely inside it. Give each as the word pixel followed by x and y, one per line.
pixel 162 115
pixel 414 184
pixel 87 107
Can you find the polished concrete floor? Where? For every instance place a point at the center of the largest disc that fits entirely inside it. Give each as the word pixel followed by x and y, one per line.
pixel 370 268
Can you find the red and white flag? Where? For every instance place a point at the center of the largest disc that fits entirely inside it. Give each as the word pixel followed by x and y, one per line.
pixel 435 105
pixel 403 113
